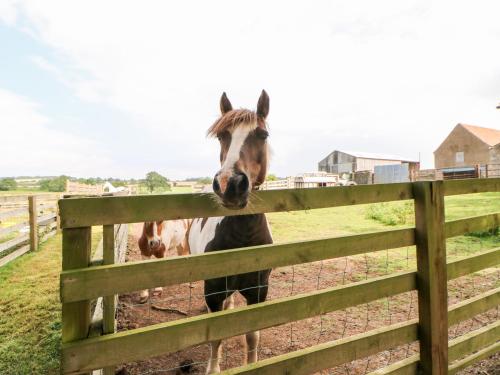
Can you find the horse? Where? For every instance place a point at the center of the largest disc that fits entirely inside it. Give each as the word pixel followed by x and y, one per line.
pixel 244 155
pixel 158 237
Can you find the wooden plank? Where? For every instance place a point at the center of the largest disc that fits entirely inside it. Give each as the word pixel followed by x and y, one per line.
pixel 13 228
pixel 4 199
pixel 473 358
pixel 15 254
pixel 476 305
pixel 176 335
pixel 47 219
pixel 407 366
pixel 91 283
pixel 76 251
pixel 33 219
pixel 334 353
pixel 431 276
pixel 13 213
pixel 109 302
pixel 78 212
pixel 459 227
pixel 473 341
pixel 469 186
pixel 20 240
pixel 473 263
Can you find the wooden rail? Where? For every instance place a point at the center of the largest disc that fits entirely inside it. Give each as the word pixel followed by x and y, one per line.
pixel 26 208
pixel 81 283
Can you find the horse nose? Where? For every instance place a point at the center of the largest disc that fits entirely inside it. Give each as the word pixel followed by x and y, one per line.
pixel 153 243
pixel 237 185
pixel 215 185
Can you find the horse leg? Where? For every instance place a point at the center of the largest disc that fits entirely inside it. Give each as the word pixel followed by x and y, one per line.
pixel 144 295
pixel 216 298
pixel 255 294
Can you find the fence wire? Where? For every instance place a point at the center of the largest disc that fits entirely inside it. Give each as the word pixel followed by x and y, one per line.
pixel 188 300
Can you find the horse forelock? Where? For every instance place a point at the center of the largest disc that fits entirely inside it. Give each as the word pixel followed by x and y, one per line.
pixel 234 118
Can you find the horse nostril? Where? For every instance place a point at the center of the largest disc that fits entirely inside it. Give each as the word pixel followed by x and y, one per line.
pixel 242 181
pixel 215 185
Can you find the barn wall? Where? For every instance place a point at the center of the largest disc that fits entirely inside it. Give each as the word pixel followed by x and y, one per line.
pixel 461 140
pixel 363 164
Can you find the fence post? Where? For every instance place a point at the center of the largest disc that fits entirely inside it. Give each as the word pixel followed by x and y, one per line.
pixel 431 276
pixel 108 302
pixel 76 253
pixel 33 219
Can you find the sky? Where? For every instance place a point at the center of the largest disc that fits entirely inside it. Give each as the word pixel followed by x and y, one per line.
pixel 120 88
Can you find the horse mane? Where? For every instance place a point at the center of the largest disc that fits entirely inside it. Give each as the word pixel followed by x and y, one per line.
pixel 232 119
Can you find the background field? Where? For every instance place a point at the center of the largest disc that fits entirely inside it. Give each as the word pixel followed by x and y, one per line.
pixel 29 296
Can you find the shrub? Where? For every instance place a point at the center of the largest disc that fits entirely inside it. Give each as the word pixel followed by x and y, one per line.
pixel 391 213
pixel 8 183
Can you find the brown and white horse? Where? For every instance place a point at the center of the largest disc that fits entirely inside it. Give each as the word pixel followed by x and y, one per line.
pixel 244 157
pixel 158 237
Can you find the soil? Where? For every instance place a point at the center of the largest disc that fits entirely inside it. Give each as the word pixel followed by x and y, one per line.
pixel 189 301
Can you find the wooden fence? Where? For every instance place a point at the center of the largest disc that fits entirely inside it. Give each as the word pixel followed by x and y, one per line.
pixel 81 283
pixel 30 220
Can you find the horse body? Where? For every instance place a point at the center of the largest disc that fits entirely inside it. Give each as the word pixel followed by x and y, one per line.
pixel 244 155
pixel 160 236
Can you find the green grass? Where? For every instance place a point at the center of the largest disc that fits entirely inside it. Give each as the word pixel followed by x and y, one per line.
pixel 30 311
pixel 30 317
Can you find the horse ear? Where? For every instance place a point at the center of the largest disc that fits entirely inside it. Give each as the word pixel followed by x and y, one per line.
pixel 225 104
pixel 263 105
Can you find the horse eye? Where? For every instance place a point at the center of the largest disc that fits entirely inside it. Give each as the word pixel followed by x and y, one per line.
pixel 262 134
pixel 222 136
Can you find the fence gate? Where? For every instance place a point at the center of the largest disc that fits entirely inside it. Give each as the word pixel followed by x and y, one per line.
pixel 83 281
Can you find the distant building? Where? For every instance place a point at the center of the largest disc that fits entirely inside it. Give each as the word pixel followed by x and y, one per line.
pixel 303 180
pixel 468 146
pixel 340 162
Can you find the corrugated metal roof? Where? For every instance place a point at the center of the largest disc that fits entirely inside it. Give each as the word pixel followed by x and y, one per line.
pixel 488 135
pixel 377 156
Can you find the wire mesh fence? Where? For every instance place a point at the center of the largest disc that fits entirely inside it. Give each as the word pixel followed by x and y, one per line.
pixel 187 300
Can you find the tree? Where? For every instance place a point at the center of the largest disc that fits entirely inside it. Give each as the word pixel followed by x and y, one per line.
pixel 204 180
pixel 271 177
pixel 56 184
pixel 7 183
pixel 154 180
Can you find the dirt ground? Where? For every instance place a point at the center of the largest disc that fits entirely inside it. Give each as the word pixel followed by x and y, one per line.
pixel 285 281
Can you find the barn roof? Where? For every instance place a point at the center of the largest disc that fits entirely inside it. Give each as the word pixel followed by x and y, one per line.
pixel 377 156
pixel 489 136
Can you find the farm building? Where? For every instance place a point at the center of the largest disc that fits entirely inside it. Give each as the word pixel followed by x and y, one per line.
pixel 349 162
pixel 467 149
pixel 303 180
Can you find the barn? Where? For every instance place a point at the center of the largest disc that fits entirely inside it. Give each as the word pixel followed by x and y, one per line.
pixel 468 149
pixel 341 162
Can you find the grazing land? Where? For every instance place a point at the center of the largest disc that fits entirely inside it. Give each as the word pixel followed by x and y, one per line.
pixel 30 309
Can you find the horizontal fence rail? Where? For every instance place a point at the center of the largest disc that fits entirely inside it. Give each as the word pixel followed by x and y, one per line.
pixel 81 212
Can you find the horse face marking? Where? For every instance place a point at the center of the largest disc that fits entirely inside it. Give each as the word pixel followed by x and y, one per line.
pixel 244 151
pixel 153 231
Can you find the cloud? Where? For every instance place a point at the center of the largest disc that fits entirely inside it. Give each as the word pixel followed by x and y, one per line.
pixel 30 145
pixel 389 77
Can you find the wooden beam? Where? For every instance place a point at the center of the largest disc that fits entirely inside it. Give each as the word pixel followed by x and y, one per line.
pixel 76 252
pixel 109 302
pixel 407 366
pixel 476 305
pixel 20 240
pixel 431 276
pixel 473 358
pixel 13 213
pixel 79 212
pixel 334 353
pixel 459 227
pixel 90 283
pixel 473 263
pixel 469 186
pixel 15 254
pixel 474 340
pixel 14 228
pixel 176 335
pixel 33 219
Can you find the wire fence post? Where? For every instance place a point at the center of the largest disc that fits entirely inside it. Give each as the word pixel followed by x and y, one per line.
pixel 431 276
pixel 33 219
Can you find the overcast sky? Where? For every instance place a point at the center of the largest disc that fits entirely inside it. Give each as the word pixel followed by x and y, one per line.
pixel 117 88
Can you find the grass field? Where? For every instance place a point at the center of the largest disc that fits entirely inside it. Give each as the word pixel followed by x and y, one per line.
pixel 30 318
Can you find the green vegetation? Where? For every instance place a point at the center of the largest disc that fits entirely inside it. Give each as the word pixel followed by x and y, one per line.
pixel 30 311
pixel 271 177
pixel 155 181
pixel 56 184
pixel 396 213
pixel 8 183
